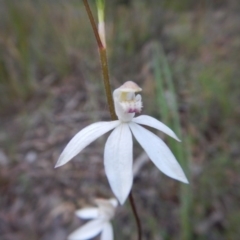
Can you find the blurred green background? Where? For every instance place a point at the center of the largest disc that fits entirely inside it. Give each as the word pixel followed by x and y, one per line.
pixel 185 56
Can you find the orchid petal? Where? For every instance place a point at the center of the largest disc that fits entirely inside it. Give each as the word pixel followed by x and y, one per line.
pixel 113 201
pixel 154 123
pixel 107 233
pixel 118 158
pixel 158 152
pixel 83 139
pixel 106 209
pixel 88 230
pixel 87 213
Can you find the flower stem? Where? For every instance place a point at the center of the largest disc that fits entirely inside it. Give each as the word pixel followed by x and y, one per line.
pixel 136 216
pixel 104 65
pixel 90 16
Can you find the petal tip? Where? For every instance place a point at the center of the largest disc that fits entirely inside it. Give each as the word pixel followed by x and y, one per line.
pixel 58 164
pixel 176 138
pixel 122 199
pixel 186 181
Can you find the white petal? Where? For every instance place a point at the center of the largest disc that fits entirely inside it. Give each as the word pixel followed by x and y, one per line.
pixel 153 122
pixel 83 139
pixel 118 158
pixel 106 209
pixel 114 202
pixel 107 233
pixel 87 213
pixel 158 152
pixel 88 230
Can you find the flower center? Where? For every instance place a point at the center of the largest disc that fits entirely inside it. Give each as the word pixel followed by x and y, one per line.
pixel 130 103
pixel 126 102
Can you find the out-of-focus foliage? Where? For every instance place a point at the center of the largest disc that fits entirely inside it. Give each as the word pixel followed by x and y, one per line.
pixel 39 39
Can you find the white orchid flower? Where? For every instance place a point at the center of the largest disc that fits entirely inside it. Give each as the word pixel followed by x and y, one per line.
pixel 118 152
pixel 101 216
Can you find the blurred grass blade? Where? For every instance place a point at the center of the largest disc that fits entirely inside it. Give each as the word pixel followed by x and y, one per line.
pixel 166 97
pixel 160 86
